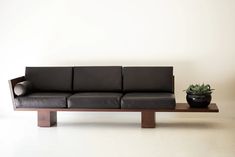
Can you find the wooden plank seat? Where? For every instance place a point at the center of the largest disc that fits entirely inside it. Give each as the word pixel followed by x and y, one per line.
pixel 47 116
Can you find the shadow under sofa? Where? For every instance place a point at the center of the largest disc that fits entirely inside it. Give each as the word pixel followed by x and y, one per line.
pixel 94 88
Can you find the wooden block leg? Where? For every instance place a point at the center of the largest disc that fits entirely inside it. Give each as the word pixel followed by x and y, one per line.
pixel 47 118
pixel 148 119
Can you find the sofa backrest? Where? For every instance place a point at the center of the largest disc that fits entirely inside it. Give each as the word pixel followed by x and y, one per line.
pixel 50 78
pixel 97 78
pixel 148 79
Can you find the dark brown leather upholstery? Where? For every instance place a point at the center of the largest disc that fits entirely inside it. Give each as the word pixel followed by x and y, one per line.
pixel 50 79
pixel 148 101
pixel 148 79
pixel 95 100
pixel 99 87
pixel 43 100
pixel 100 79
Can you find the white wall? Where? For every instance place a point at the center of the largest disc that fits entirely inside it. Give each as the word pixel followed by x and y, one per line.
pixel 197 37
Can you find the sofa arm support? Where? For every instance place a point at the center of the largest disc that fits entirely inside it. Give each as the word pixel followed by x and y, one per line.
pixel 12 83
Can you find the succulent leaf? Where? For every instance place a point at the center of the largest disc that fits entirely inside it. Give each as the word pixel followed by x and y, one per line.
pixel 199 89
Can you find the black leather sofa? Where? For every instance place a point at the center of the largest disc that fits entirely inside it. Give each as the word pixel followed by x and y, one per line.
pixel 94 88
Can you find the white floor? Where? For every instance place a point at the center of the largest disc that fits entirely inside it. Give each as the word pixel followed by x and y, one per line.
pixel 118 135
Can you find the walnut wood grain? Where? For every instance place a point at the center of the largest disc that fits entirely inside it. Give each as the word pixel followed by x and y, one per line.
pixel 47 118
pixel 180 107
pixel 148 119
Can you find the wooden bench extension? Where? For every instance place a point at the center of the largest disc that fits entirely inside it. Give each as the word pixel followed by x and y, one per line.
pixel 48 117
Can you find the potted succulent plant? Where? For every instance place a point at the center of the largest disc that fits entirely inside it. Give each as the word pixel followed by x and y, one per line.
pixel 199 96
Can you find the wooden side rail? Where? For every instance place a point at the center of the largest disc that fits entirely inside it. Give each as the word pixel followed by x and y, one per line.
pixel 12 84
pixel 180 107
pixel 48 117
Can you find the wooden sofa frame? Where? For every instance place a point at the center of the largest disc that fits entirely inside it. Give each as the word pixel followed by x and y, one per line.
pixel 47 117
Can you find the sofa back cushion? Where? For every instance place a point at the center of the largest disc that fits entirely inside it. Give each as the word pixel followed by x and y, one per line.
pixel 148 79
pixel 50 78
pixel 97 78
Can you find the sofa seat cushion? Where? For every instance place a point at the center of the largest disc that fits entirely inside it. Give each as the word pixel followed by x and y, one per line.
pixel 42 100
pixel 148 101
pixel 95 100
